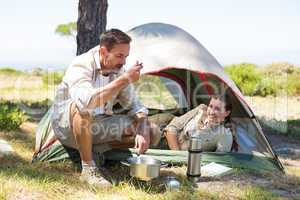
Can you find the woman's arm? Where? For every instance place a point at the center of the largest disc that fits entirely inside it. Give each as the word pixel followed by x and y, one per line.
pixel 171 136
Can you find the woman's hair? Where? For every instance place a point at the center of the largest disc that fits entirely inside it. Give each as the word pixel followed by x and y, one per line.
pixel 225 98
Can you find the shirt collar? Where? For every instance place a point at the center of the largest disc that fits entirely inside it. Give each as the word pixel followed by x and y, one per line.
pixel 97 58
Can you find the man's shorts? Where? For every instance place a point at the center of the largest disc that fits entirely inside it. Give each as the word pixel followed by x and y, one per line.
pixel 104 128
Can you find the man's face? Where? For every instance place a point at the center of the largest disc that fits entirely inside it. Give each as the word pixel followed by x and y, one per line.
pixel 112 61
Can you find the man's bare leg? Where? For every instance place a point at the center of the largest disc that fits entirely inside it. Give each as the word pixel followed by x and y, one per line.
pixel 83 137
pixel 84 142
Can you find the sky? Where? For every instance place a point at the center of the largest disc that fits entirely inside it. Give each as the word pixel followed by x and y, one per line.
pixel 233 31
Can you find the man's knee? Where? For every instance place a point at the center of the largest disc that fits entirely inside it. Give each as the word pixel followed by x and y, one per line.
pixel 80 123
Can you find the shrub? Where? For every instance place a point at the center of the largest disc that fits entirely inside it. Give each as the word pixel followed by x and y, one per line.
pixel 52 78
pixel 10 71
pixel 37 72
pixel 281 68
pixel 285 77
pixel 36 104
pixel 274 79
pixel 11 117
pixel 293 85
pixel 267 87
pixel 246 76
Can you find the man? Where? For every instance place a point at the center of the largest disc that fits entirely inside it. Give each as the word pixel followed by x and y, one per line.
pixel 83 114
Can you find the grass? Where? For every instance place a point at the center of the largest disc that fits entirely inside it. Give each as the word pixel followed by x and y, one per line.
pixel 284 127
pixel 21 179
pixel 258 193
pixel 293 171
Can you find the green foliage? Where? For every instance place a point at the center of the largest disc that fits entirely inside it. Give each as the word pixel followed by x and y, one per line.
pixel 36 104
pixel 68 29
pixel 281 69
pixel 284 76
pixel 274 79
pixel 46 103
pixel 52 78
pixel 266 87
pixel 37 71
pixel 11 117
pixel 293 85
pixel 246 76
pixel 10 71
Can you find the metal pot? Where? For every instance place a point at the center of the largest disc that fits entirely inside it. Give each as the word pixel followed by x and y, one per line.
pixel 144 168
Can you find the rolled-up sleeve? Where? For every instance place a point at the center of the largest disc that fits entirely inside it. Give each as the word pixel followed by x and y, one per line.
pixel 79 80
pixel 129 100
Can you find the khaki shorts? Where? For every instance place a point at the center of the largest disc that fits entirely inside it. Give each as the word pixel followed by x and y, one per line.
pixel 104 128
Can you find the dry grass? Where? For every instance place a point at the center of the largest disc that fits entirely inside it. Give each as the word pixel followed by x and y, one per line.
pixel 19 179
pixel 25 87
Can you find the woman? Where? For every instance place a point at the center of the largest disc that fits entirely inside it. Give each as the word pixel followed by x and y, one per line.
pixel 206 122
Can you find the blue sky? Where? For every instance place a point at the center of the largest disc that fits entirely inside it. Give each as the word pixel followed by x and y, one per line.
pixel 233 31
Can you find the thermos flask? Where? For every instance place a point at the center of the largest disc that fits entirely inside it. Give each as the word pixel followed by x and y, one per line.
pixel 194 159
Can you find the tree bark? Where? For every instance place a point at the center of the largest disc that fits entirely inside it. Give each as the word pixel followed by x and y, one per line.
pixel 90 24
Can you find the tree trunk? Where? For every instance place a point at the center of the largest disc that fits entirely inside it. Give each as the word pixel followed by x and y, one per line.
pixel 90 24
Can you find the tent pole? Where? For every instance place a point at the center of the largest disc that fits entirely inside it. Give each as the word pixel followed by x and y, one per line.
pixel 267 142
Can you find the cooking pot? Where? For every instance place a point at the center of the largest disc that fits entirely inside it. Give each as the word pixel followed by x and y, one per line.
pixel 144 168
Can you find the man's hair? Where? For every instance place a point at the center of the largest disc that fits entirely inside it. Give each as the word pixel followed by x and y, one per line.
pixel 112 37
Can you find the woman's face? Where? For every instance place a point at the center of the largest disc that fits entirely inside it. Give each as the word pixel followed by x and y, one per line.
pixel 216 111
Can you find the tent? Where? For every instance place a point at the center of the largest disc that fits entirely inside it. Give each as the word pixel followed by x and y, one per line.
pixel 191 75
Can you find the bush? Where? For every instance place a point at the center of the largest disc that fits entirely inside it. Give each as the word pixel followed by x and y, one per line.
pixel 52 78
pixel 293 85
pixel 284 76
pixel 11 117
pixel 281 69
pixel 267 86
pixel 246 76
pixel 274 79
pixel 36 104
pixel 10 71
pixel 37 72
